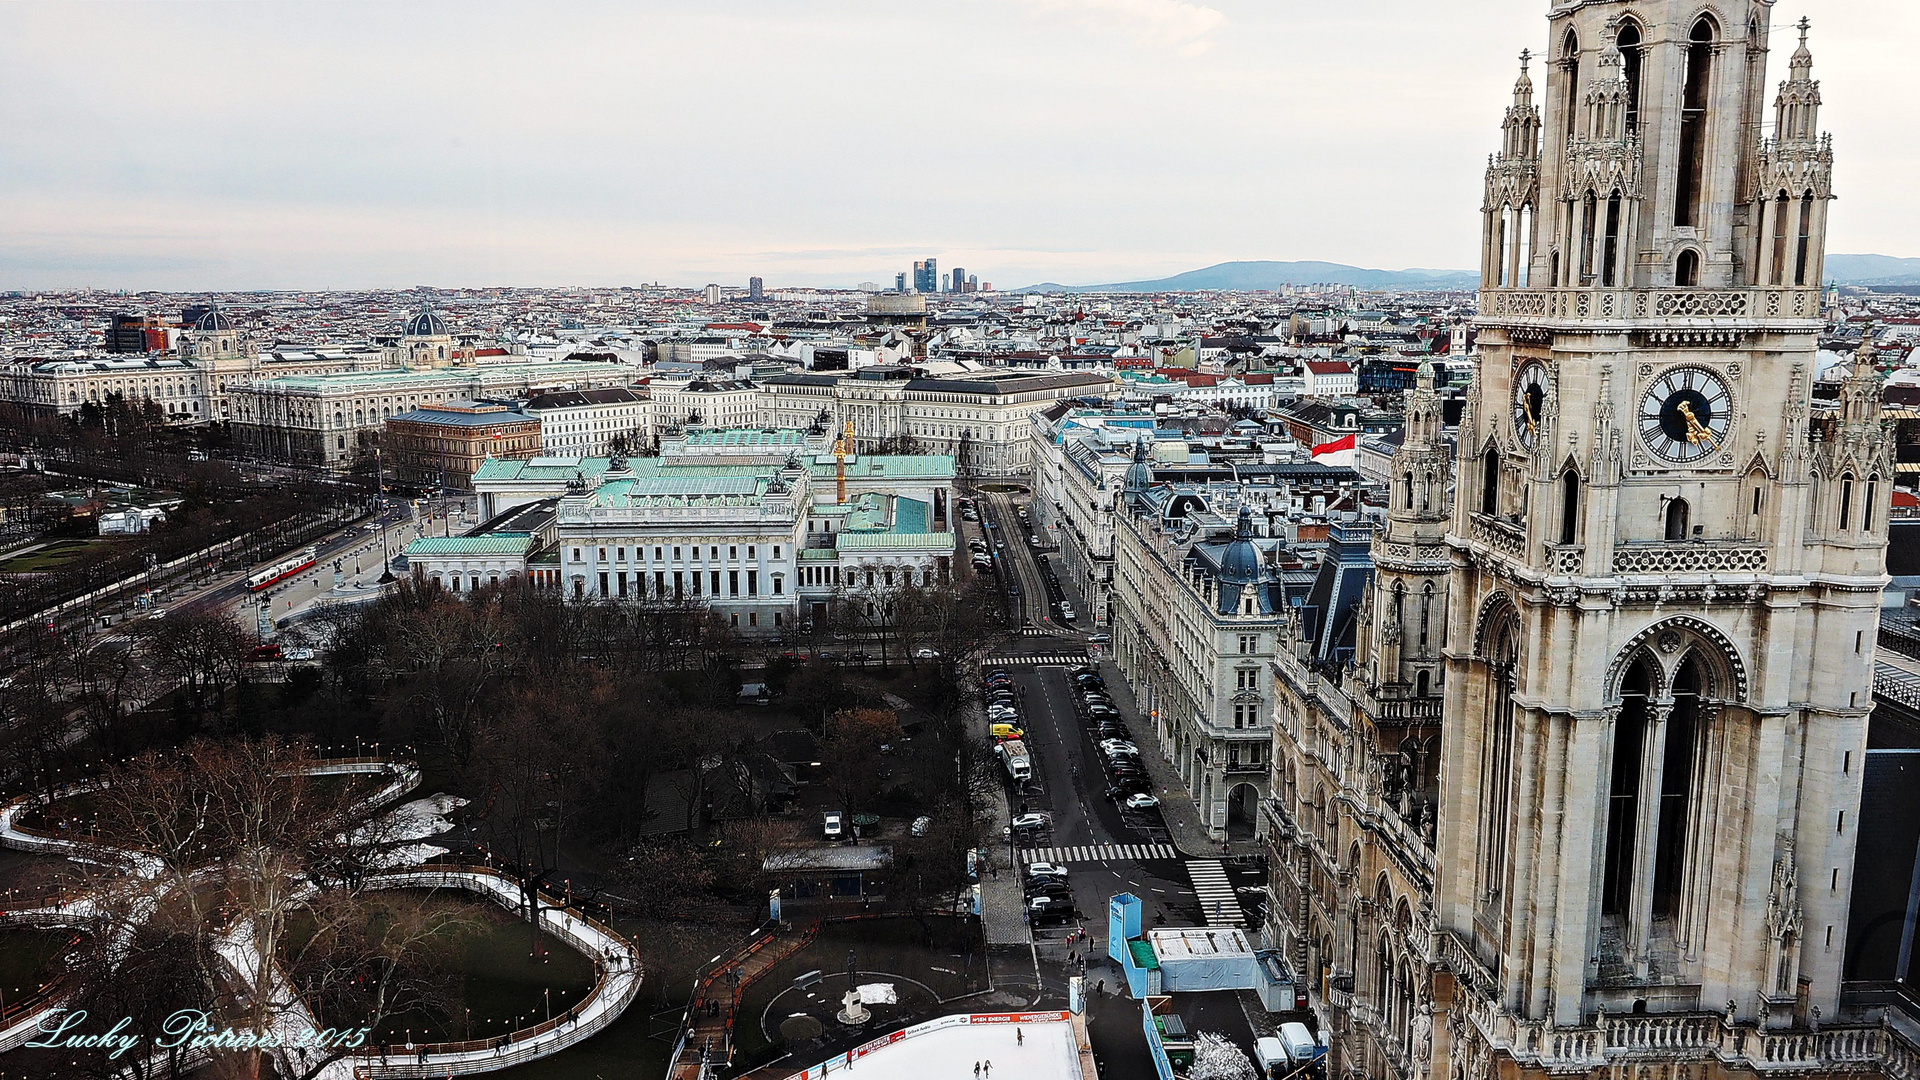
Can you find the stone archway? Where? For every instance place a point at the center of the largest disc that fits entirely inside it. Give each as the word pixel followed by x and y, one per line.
pixel 1243 812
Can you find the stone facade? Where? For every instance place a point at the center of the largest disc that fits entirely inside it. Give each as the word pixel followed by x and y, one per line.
pixel 1660 580
pixel 1196 612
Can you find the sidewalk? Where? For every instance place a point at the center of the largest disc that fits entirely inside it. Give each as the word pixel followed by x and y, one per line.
pixel 1003 904
pixel 1177 807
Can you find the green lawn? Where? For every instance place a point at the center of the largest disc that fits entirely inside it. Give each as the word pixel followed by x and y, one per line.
pixel 50 557
pixel 505 987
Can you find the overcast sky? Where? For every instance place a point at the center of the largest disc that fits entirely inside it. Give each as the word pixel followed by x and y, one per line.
pixel 811 142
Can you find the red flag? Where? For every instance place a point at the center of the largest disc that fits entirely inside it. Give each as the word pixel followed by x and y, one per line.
pixel 1334 447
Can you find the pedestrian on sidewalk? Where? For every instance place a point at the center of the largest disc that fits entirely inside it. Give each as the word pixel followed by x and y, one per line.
pixel 1018 1038
pixel 989 1069
pixel 976 1071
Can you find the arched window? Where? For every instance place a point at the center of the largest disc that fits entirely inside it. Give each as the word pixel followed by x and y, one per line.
pixel 1426 613
pixel 1623 794
pixel 1496 762
pixel 1420 684
pixel 1867 506
pixel 1570 59
pixel 1846 501
pixel 1676 785
pixel 1697 90
pixel 1569 506
pixel 1629 42
pixel 1490 482
pixel 1610 251
pixel 1779 238
pixel 1409 481
pixel 1677 518
pixel 1686 269
pixel 1803 245
pixel 1592 206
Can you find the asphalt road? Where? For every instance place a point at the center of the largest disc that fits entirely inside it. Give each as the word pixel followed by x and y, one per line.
pixel 1070 782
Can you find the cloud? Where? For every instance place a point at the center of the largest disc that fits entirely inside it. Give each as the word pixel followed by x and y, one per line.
pixel 1187 28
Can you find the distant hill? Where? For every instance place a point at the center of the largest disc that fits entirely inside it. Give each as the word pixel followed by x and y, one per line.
pixel 1258 275
pixel 1872 270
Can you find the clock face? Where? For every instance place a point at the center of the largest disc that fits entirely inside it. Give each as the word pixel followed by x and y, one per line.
pixel 1529 401
pixel 1685 415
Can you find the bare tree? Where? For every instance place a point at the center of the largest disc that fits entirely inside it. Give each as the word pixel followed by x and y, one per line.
pixel 204 650
pixel 225 836
pixel 854 760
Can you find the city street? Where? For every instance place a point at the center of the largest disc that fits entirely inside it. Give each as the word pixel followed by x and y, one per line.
pixel 1104 848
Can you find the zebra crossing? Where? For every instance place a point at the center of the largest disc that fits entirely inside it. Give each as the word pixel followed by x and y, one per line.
pixel 1101 853
pixel 1219 906
pixel 1007 661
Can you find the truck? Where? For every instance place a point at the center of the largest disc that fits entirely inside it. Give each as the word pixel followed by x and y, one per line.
pixel 1019 763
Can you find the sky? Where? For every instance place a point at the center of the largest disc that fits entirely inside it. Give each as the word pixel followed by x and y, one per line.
pixel 810 142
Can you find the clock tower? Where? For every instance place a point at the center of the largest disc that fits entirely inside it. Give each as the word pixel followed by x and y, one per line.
pixel 1667 558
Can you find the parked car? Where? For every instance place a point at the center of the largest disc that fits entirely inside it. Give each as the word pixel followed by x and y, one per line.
pixel 1032 821
pixel 1099 639
pixel 1127 785
pixel 921 826
pixel 1118 748
pixel 1142 801
pixel 1046 869
pixel 1052 889
pixel 832 825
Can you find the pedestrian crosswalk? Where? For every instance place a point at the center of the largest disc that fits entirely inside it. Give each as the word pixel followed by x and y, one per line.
pixel 1101 853
pixel 1218 904
pixel 1052 658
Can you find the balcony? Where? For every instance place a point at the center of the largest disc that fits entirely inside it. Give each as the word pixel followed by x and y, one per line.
pixel 1670 310
pixel 1689 557
pixel 1565 559
pixel 1696 1037
pixel 1503 536
pixel 1340 993
pixel 1395 705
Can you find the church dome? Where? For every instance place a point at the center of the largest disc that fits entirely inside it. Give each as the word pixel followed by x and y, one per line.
pixel 1240 563
pixel 213 320
pixel 427 323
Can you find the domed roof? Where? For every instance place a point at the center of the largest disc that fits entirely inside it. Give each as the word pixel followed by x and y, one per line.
pixel 1240 563
pixel 212 320
pixel 1140 473
pixel 426 323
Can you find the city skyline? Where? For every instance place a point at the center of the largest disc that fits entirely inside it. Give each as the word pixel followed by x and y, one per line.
pixel 323 146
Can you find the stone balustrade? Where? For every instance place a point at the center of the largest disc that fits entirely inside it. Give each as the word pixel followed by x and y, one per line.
pixel 1689 557
pixel 1499 534
pixel 1656 305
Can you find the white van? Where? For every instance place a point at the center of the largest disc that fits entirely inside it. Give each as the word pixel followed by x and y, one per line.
pixel 1272 1056
pixel 1066 612
pixel 1302 1048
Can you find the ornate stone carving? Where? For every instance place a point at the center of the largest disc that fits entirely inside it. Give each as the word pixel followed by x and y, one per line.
pixel 1683 558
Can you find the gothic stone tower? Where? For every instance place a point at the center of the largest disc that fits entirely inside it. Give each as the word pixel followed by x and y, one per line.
pixel 1667 561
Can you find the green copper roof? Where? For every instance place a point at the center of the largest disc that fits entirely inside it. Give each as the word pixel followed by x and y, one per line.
pixel 746 437
pixel 469 545
pixel 540 468
pixel 940 542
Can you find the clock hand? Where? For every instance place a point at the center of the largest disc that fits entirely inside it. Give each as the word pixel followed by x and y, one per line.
pixel 1696 431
